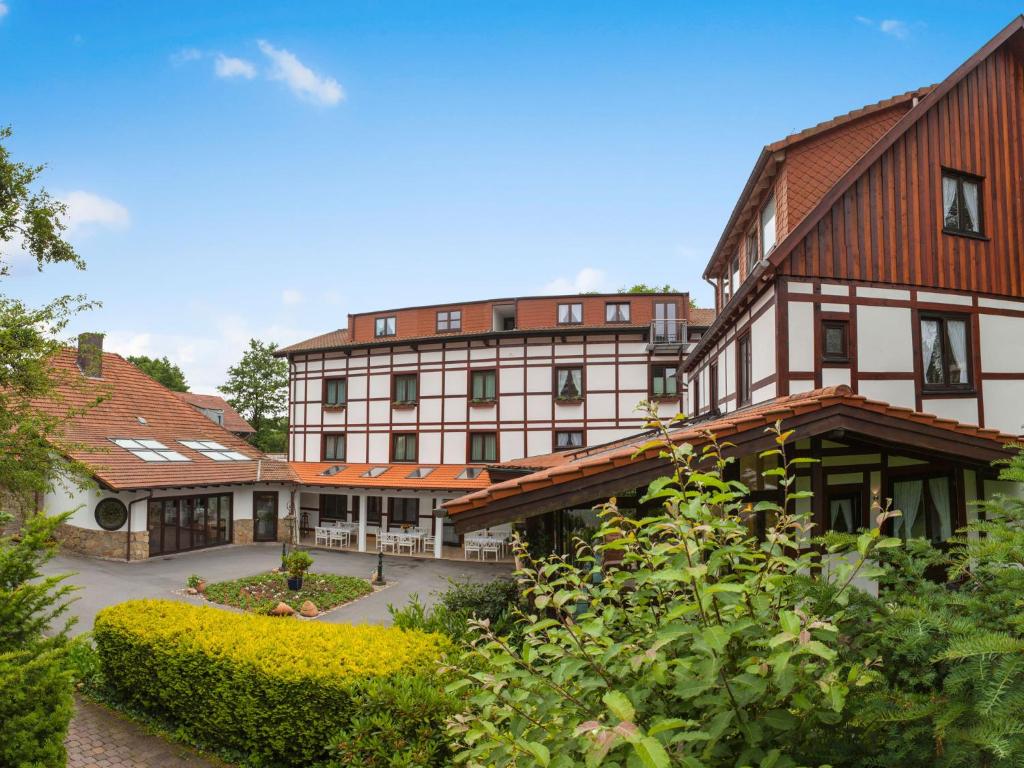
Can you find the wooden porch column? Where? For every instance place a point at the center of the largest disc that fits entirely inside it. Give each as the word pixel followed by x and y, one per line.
pixel 361 541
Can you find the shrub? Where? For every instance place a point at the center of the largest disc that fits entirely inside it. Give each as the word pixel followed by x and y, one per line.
pixel 297 562
pixel 261 593
pixel 193 581
pixel 462 601
pixel 35 685
pixel 673 639
pixel 276 690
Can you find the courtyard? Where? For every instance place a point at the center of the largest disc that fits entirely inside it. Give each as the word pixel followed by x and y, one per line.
pixel 104 582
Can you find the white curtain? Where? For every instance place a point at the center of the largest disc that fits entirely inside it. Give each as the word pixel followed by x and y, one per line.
pixel 971 203
pixel 938 487
pixel 931 355
pixel 949 202
pixel 906 497
pixel 842 507
pixel 768 226
pixel 957 332
pixel 570 383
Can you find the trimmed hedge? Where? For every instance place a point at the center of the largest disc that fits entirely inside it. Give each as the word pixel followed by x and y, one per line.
pixel 276 689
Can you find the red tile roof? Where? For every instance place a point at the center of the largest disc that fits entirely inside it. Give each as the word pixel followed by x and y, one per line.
pixel 330 340
pixel 128 395
pixel 563 468
pixel 701 317
pixel 233 422
pixel 444 477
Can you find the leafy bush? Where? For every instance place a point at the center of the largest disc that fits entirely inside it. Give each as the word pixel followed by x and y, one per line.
pixel 35 685
pixel 675 639
pixel 456 606
pixel 276 690
pixel 297 562
pixel 261 593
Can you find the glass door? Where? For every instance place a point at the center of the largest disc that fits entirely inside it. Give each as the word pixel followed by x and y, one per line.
pixel 665 327
pixel 170 526
pixel 154 522
pixel 264 513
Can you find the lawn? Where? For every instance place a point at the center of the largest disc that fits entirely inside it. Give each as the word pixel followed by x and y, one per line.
pixel 261 593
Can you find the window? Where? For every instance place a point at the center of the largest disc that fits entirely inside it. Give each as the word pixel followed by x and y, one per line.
pixel 334 447
pixel 373 507
pixel 844 514
pixel 153 450
pixel 403 388
pixel 835 341
pixel 926 508
pixel 403 446
pixel 616 312
pixel 213 450
pixel 568 383
pixel 696 395
pixel 482 386
pixel 944 352
pixel 419 473
pixel 384 326
pixel 403 511
pixel 450 320
pixel 565 439
pixel 375 471
pixel 713 387
pixel 333 507
pixel 734 280
pixel 961 203
pixel 483 446
pixel 469 473
pixel 664 382
pixel 743 363
pixel 570 314
pixel 335 392
pixel 768 227
pixel 751 250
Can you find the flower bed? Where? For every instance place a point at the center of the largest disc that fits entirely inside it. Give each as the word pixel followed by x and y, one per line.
pixel 261 593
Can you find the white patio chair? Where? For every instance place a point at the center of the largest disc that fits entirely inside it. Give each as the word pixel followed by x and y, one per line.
pixel 427 542
pixel 406 542
pixel 385 542
pixel 338 537
pixel 323 536
pixel 493 547
pixel 472 546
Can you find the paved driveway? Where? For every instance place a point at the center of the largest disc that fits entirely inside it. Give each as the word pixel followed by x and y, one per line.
pixel 104 583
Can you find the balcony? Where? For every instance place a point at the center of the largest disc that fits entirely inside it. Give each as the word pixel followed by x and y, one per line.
pixel 667 335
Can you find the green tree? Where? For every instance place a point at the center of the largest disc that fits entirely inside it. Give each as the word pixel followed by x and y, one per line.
pixel 161 369
pixel 645 288
pixel 675 639
pixel 257 387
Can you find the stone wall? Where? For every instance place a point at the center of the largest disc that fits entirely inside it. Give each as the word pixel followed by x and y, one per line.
pixel 17 507
pixel 107 544
pixel 242 531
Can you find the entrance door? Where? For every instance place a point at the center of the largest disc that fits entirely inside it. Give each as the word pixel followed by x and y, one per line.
pixel 666 329
pixel 264 514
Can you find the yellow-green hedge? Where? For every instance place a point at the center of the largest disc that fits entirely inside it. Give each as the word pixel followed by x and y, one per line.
pixel 276 689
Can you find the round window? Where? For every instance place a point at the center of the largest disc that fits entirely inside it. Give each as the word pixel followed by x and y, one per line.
pixel 111 514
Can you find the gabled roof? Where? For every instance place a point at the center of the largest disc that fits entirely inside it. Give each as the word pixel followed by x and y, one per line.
pixel 134 406
pixel 702 317
pixel 569 479
pixel 233 422
pixel 442 477
pixel 330 340
pixel 766 267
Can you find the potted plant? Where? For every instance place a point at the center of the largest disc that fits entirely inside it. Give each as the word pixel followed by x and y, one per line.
pixel 296 563
pixel 196 582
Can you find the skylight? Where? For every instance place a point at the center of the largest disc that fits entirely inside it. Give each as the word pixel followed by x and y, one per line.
pixel 148 450
pixel 375 471
pixel 333 470
pixel 419 472
pixel 211 449
pixel 469 473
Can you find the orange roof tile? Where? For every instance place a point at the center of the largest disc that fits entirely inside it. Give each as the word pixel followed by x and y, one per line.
pixel 562 468
pixel 134 406
pixel 701 316
pixel 328 340
pixel 233 422
pixel 443 477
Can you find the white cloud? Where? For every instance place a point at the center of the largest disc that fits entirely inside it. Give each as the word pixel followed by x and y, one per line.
pixel 229 66
pixel 291 296
pixel 3 9
pixel 303 81
pixel 892 27
pixel 87 210
pixel 186 55
pixel 586 280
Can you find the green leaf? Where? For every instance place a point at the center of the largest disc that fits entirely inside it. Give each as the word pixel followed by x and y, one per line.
pixel 650 751
pixel 539 751
pixel 619 705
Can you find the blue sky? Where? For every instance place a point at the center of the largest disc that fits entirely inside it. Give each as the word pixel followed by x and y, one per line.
pixel 241 169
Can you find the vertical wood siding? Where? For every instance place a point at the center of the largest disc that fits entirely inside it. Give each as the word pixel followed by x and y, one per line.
pixel 887 228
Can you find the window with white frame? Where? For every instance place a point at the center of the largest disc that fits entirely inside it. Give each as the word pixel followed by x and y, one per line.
pixel 570 314
pixel 148 450
pixel 211 449
pixel 768 227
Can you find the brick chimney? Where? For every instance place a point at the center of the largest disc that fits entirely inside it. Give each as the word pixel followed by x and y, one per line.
pixel 90 354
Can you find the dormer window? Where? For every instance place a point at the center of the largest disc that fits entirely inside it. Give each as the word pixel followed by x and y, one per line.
pixel 961 204
pixel 616 312
pixel 768 227
pixel 751 250
pixel 449 320
pixel 384 326
pixel 570 314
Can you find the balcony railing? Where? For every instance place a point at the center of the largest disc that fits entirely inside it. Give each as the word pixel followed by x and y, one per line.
pixel 668 331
